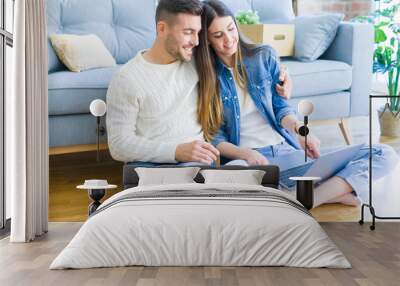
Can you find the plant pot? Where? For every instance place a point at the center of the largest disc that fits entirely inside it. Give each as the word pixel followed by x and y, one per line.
pixel 389 122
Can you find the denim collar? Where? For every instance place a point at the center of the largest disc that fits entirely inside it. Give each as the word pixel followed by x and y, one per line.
pixel 220 66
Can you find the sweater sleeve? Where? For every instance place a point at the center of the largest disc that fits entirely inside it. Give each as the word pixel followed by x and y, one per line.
pixel 122 112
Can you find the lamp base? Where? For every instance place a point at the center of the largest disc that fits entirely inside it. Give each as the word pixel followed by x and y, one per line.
pixel 305 190
pixel 305 193
pixel 96 195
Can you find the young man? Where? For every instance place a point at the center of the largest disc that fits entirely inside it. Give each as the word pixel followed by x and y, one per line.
pixel 152 100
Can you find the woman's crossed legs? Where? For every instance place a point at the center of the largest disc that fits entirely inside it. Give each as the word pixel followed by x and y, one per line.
pixel 348 183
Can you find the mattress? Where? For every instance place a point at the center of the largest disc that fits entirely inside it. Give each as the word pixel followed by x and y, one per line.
pixel 201 225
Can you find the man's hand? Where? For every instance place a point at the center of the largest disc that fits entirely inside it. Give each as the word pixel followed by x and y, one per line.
pixel 284 90
pixel 196 151
pixel 313 145
pixel 253 157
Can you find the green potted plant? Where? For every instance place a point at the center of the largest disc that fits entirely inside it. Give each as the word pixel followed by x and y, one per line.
pixel 386 60
pixel 248 17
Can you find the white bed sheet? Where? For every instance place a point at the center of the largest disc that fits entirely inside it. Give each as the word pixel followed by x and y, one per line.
pixel 200 232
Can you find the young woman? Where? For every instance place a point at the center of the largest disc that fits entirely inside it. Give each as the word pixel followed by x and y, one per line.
pixel 240 110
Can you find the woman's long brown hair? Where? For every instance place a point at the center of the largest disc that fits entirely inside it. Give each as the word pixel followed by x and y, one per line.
pixel 210 109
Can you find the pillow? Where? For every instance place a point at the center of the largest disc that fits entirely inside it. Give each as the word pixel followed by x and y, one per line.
pixel 81 52
pixel 314 34
pixel 166 176
pixel 274 12
pixel 237 5
pixel 248 177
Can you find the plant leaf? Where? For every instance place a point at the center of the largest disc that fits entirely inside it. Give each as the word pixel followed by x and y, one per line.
pixel 380 36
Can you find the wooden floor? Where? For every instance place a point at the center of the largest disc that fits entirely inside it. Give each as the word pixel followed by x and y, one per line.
pixel 67 204
pixel 70 205
pixel 374 255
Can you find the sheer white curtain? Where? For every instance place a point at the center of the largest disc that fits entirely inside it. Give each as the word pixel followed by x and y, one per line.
pixel 27 124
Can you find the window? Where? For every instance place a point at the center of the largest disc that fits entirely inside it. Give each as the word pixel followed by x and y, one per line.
pixel 6 43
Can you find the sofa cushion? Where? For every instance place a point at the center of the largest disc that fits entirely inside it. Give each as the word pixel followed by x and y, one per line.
pixel 314 35
pixel 318 77
pixel 71 93
pixel 123 27
pixel 272 11
pixel 268 10
pixel 237 5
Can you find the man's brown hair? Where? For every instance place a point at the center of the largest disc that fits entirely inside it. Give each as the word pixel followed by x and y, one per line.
pixel 166 9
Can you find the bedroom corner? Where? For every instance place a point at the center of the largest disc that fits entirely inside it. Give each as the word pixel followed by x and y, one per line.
pixel 199 142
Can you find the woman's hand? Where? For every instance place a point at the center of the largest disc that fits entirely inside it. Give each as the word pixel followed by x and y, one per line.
pixel 284 90
pixel 313 145
pixel 253 157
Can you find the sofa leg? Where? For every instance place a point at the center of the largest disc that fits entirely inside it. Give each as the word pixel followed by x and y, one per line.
pixel 344 128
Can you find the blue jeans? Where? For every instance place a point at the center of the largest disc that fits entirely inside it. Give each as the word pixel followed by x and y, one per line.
pixel 355 173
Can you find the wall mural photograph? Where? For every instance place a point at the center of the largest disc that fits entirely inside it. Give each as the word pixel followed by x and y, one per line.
pixel 198 142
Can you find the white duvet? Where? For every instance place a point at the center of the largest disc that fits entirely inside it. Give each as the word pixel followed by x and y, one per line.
pixel 183 231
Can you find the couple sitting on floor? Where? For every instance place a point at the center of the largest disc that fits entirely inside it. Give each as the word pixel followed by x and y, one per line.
pixel 166 108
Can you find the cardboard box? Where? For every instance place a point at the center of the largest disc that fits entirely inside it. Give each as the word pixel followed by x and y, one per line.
pixel 279 36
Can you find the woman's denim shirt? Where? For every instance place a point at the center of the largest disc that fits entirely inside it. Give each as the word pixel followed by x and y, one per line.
pixel 262 74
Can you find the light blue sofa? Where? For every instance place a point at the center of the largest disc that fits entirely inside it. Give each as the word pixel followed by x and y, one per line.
pixel 338 83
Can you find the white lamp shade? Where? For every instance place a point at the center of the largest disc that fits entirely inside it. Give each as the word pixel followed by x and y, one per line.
pixel 305 107
pixel 98 107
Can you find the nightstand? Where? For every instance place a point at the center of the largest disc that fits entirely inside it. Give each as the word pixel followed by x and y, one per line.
pixel 96 190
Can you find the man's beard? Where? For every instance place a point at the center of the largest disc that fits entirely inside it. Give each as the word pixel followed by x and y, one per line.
pixel 171 46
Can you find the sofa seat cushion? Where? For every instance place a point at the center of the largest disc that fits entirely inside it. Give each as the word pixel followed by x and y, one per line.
pixel 318 77
pixel 71 93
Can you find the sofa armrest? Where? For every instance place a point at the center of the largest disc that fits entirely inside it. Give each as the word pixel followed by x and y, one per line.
pixel 354 45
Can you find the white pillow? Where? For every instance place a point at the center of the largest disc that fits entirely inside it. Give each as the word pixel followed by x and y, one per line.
pixel 248 177
pixel 81 52
pixel 166 176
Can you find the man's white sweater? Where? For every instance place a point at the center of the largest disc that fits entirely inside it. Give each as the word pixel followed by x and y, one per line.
pixel 151 109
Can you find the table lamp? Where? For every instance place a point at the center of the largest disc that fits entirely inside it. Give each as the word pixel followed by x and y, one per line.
pixel 98 108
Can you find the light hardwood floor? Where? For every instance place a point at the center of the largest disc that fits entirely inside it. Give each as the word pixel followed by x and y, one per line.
pixel 68 171
pixel 67 204
pixel 374 255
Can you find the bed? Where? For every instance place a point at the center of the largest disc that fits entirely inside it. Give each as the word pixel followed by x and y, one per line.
pixel 197 224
